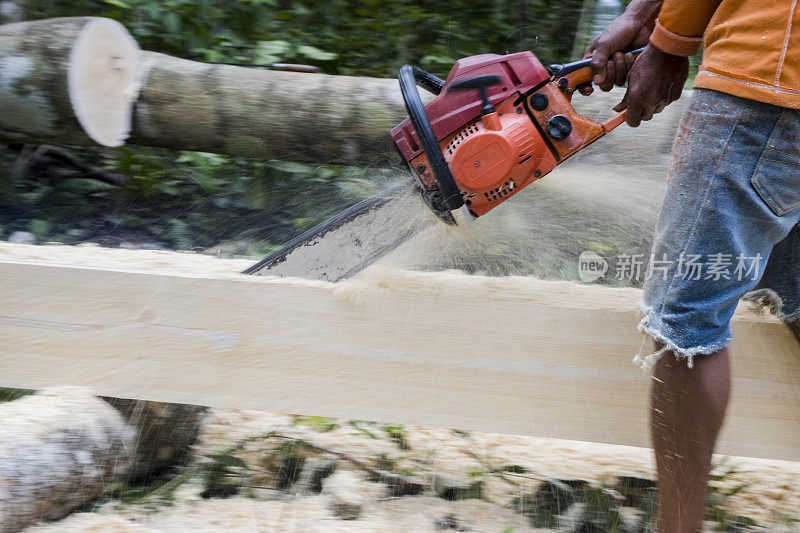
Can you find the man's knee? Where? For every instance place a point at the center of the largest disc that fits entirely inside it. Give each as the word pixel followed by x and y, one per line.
pixel 701 391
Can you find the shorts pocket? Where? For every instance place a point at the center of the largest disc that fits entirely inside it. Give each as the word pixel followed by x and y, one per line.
pixel 776 178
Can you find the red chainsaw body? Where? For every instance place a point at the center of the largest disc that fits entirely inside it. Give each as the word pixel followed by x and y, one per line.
pixel 492 161
pixel 451 111
pixel 495 155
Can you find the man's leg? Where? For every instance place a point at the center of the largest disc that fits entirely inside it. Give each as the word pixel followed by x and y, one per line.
pixel 724 199
pixel 687 409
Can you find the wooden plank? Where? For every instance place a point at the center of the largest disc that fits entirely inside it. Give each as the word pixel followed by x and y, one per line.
pixel 515 355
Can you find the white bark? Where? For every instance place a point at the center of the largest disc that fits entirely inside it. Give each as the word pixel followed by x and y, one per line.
pixel 253 112
pixel 11 11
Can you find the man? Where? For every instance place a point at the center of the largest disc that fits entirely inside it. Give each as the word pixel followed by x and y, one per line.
pixel 732 201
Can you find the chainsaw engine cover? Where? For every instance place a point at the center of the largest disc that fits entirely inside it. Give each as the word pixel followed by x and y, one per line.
pixel 491 155
pixel 491 165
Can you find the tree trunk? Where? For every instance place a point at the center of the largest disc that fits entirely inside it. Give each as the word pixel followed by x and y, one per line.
pixel 164 434
pixel 11 11
pixel 252 112
pixel 67 81
pixel 241 111
pixel 60 448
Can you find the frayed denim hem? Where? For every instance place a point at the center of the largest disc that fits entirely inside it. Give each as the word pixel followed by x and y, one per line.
pixel 768 299
pixel 648 362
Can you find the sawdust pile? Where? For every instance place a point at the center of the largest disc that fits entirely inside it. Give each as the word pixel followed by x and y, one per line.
pixel 426 452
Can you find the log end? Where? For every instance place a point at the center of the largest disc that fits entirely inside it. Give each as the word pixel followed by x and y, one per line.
pixel 103 80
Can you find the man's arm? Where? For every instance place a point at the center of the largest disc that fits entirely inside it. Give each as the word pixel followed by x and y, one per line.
pixel 657 76
pixel 678 31
pixel 630 30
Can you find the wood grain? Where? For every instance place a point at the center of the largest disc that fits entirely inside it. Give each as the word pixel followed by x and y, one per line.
pixel 516 355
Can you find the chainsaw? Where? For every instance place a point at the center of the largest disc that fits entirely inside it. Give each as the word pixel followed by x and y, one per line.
pixel 497 124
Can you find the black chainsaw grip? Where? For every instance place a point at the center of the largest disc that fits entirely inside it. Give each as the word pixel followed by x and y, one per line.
pixel 422 125
pixel 429 82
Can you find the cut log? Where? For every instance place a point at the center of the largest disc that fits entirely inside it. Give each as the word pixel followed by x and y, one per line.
pixel 60 448
pixel 67 81
pixel 515 355
pixel 58 451
pixel 251 112
pixel 317 118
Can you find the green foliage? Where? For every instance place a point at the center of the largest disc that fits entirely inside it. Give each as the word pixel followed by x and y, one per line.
pixel 321 424
pixel 357 37
pixel 9 395
pixel 183 200
pixel 398 435
pixel 600 507
pixel 359 426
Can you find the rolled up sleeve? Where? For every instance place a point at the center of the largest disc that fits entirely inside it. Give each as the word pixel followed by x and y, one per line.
pixel 681 24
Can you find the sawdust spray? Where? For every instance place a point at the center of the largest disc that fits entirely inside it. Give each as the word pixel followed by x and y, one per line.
pixel 543 229
pixel 605 200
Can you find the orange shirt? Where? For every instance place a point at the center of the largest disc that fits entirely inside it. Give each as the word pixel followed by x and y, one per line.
pixel 751 47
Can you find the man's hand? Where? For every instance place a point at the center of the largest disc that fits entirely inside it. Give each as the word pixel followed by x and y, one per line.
pixel 655 81
pixel 630 30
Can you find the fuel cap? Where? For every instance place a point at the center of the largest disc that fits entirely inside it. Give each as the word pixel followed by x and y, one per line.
pixel 559 127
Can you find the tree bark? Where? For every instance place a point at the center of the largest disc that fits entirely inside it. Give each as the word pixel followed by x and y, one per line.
pixel 252 112
pixel 60 448
pixel 164 434
pixel 67 81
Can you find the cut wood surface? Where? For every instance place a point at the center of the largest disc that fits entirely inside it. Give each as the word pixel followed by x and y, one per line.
pixel 67 81
pixel 515 355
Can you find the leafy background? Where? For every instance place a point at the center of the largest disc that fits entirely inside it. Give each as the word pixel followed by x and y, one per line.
pixel 187 200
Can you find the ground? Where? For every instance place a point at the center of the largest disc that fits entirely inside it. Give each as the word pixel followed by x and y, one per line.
pixel 448 463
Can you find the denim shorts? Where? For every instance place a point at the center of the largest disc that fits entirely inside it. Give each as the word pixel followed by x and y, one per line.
pixel 728 225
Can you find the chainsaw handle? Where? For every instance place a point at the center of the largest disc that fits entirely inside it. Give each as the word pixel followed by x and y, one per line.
pixel 573 76
pixel 557 71
pixel 576 79
pixel 426 80
pixel 451 195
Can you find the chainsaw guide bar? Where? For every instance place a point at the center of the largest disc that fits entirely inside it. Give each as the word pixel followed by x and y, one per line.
pixel 352 240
